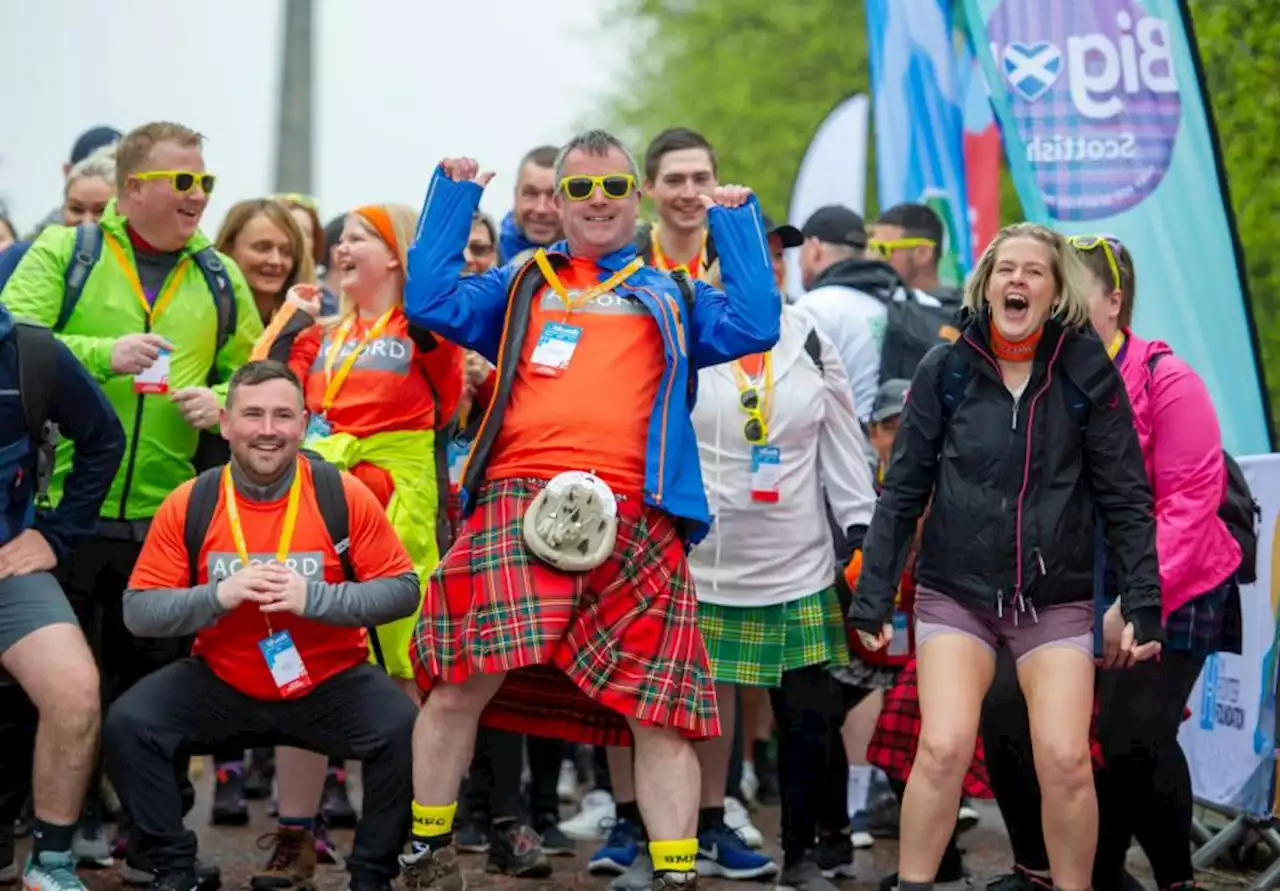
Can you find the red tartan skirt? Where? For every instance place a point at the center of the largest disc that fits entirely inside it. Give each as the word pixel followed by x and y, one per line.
pixel 893 745
pixel 583 652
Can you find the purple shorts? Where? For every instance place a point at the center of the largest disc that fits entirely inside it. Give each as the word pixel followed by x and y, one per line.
pixel 1064 625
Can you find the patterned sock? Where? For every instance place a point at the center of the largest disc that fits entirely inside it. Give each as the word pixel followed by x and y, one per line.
pixel 680 855
pixel 433 826
pixel 306 824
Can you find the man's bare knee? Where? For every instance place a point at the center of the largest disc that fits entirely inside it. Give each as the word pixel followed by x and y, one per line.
pixel 465 700
pixel 56 670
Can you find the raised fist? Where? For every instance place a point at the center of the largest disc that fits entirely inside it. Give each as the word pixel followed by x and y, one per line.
pixel 466 170
pixel 727 196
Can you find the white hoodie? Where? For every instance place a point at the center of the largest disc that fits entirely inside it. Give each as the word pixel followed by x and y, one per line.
pixel 758 553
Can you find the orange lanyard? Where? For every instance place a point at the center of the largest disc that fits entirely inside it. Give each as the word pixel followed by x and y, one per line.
pixel 150 310
pixel 286 533
pixel 763 382
pixel 584 297
pixel 334 382
pixel 660 259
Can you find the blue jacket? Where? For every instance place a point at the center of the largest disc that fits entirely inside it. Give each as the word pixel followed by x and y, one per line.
pixel 83 415
pixel 10 258
pixel 475 312
pixel 511 239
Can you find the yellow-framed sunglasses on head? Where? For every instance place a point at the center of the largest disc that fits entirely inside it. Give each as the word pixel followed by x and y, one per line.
pixel 613 185
pixel 1107 244
pixel 885 249
pixel 297 198
pixel 183 181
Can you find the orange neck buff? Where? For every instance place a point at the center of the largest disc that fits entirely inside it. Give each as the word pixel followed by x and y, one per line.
pixel 1015 350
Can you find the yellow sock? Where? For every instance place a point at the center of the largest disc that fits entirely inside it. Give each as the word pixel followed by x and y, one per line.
pixel 680 855
pixel 433 821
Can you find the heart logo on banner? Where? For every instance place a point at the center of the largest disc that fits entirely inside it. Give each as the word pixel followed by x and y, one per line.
pixel 1032 68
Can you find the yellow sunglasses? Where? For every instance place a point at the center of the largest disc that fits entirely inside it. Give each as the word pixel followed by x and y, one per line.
pixel 886 248
pixel 183 180
pixel 1108 245
pixel 582 187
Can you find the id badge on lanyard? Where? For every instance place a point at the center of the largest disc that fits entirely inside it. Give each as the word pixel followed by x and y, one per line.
pixel 766 473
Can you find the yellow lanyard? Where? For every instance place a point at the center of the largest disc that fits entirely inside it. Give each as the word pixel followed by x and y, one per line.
pixel 286 533
pixel 591 293
pixel 1113 349
pixel 660 259
pixel 746 382
pixel 150 310
pixel 333 381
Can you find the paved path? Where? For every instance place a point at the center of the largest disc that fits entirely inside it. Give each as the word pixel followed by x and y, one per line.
pixel 234 849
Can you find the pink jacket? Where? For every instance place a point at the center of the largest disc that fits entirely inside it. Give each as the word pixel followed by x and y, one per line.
pixel 1182 447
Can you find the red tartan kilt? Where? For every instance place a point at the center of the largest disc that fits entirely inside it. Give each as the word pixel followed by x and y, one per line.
pixel 582 652
pixel 893 745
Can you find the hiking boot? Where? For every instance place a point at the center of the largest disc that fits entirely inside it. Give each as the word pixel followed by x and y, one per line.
pixel 674 881
pixel 804 876
pixel 175 881
pixel 259 774
pixel 335 804
pixel 230 807
pixel 292 864
pixel 432 870
pixel 516 850
pixel 834 854
pixel 137 870
pixel 554 842
pixel 51 871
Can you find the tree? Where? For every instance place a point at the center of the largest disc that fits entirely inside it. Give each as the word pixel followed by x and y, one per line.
pixel 1237 41
pixel 758 77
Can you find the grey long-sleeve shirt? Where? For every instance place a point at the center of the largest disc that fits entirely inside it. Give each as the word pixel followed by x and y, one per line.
pixel 178 612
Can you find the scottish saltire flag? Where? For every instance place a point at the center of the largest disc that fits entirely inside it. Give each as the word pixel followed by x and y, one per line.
pixel 1106 130
pixel 917 103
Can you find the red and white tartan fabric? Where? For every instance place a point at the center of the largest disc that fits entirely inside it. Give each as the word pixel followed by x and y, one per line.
pixel 583 652
pixel 893 745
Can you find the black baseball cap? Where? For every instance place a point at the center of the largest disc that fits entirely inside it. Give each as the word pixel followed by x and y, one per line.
pixel 788 234
pixel 836 224
pixel 891 399
pixel 91 140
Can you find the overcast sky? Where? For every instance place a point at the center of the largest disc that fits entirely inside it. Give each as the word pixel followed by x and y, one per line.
pixel 400 84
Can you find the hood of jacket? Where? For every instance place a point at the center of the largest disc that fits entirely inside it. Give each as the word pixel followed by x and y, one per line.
pixel 873 277
pixel 511 238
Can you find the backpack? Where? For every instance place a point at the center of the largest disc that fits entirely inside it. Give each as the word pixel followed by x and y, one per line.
pixel 37 380
pixel 911 330
pixel 211 449
pixel 1238 510
pixel 330 497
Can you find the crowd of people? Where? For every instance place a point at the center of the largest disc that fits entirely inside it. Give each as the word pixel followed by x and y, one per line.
pixel 576 503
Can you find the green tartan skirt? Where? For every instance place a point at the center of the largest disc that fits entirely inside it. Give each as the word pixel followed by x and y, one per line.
pixel 753 645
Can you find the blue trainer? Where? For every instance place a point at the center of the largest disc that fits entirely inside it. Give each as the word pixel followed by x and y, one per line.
pixel 723 853
pixel 619 850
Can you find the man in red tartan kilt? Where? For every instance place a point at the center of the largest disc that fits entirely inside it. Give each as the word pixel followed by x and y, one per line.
pixel 566 608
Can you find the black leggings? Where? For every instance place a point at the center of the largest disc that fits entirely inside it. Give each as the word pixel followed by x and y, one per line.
pixel 808 710
pixel 1143 792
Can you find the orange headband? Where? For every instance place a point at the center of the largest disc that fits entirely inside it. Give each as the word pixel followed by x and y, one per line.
pixel 380 221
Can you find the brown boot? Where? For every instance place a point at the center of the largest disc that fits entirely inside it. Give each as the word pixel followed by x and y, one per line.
pixel 432 870
pixel 292 864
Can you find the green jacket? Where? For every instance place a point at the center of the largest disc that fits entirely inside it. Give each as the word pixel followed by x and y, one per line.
pixel 160 443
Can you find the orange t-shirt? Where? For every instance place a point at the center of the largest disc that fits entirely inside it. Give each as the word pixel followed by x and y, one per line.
pixel 392 385
pixel 595 415
pixel 230 646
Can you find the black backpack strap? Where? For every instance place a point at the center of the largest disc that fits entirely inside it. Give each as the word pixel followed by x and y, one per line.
pixel 331 497
pixel 952 383
pixel 200 508
pixel 813 347
pixel 224 299
pixel 84 256
pixel 687 291
pixel 37 375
